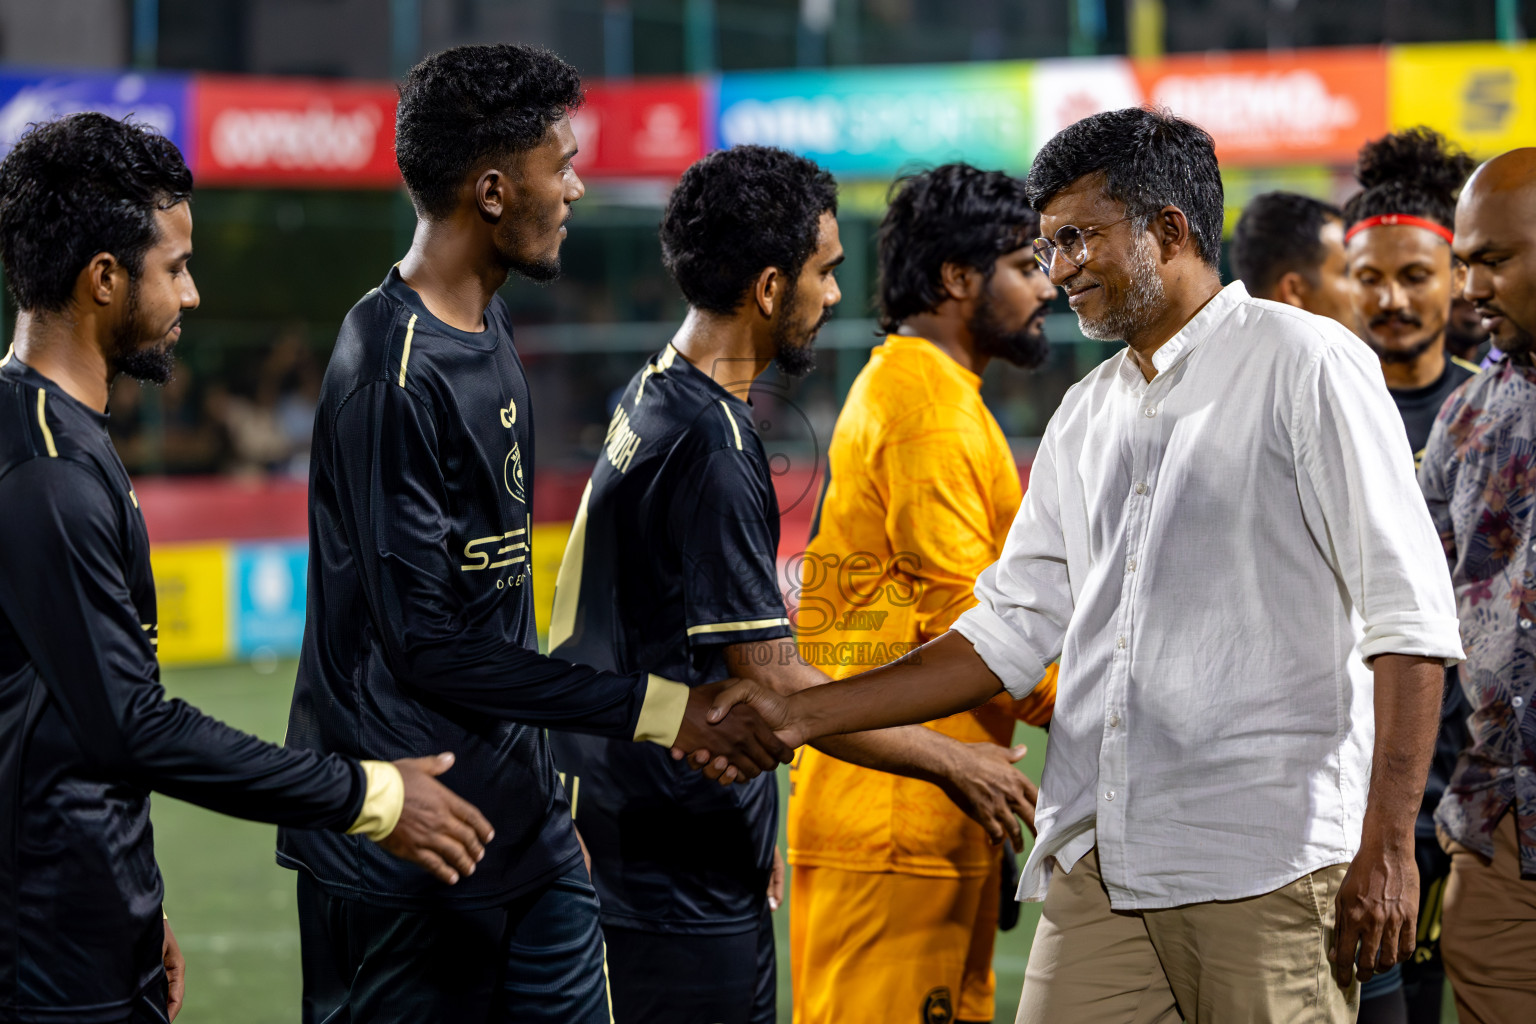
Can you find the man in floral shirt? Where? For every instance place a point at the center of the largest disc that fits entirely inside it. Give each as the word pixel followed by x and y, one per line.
pixel 1479 476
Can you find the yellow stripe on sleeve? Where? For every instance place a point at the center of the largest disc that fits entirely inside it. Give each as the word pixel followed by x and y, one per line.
pixel 405 351
pixel 382 803
pixel 42 421
pixel 661 713
pixel 732 627
pixel 732 421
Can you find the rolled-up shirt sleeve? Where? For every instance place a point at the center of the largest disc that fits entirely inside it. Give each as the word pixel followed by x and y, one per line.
pixel 1365 510
pixel 1024 599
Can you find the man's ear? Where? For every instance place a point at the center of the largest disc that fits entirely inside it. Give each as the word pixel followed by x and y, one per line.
pixel 1292 289
pixel 1171 228
pixel 768 291
pixel 959 282
pixel 102 278
pixel 1458 277
pixel 492 196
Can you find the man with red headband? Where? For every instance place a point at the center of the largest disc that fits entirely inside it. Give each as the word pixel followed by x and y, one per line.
pixel 1397 247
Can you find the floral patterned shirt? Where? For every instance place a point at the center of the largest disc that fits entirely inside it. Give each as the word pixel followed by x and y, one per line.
pixel 1479 477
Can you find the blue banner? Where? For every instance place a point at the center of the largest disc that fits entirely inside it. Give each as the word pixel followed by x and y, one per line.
pixel 268 608
pixel 161 100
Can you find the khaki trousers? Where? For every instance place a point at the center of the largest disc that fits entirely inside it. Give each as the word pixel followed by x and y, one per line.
pixel 1488 932
pixel 1262 960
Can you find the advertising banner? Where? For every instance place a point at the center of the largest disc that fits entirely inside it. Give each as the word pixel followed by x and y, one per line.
pixel 269 585
pixel 1481 95
pixel 294 132
pixel 645 129
pixel 191 597
pixel 1303 107
pixel 1067 90
pixel 160 100
pixel 875 121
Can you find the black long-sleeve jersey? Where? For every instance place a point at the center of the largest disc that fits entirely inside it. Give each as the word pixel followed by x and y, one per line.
pixel 672 559
pixel 86 731
pixel 420 633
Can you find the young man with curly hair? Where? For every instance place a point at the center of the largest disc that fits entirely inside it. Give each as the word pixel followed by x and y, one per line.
pixel 420 614
pixel 95 238
pixel 671 568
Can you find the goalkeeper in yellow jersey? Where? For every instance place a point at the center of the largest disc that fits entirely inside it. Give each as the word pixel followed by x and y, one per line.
pixel 894 891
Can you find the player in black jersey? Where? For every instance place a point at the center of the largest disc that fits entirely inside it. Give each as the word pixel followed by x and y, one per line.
pixel 671 569
pixel 420 624
pixel 1398 246
pixel 95 234
pixel 1290 248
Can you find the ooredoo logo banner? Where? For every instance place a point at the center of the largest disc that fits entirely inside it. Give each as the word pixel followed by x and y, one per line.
pixel 640 128
pixel 255 131
pixel 1316 105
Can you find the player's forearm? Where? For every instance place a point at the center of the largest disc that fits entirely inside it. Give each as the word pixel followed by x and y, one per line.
pixel 1408 694
pixel 910 751
pixel 943 677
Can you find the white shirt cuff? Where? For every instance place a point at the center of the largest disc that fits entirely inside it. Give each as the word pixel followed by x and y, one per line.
pixel 1423 636
pixel 1003 650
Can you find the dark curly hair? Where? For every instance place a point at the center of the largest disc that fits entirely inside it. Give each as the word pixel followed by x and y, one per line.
pixel 951 214
pixel 1417 172
pixel 1150 159
pixel 78 186
pixel 1280 232
pixel 463 105
pixel 736 212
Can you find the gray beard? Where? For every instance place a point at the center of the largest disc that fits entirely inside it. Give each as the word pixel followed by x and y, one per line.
pixel 1143 302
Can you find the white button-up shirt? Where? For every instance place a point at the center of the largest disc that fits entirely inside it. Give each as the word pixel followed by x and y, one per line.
pixel 1215 555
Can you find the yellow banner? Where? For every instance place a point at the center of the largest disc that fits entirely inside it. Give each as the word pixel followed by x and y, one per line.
pixel 548 544
pixel 192 595
pixel 1481 95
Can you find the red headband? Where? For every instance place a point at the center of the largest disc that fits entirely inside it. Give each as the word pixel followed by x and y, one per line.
pixel 1405 219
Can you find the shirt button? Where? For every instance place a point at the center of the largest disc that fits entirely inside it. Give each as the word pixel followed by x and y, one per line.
pixel 1109 794
pixel 1141 488
pixel 1120 642
pixel 1525 623
pixel 1130 565
pixel 1150 411
pixel 1114 720
pixel 1517 701
pixel 1522 770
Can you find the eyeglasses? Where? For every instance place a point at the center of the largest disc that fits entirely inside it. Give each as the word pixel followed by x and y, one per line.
pixel 1071 242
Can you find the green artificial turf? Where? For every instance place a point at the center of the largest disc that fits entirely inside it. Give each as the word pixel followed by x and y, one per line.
pixel 232 908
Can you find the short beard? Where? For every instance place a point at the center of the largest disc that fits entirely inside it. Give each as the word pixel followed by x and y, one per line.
pixel 1026 347
pixel 538 271
pixel 1401 356
pixel 1143 301
pixel 154 364
pixel 795 360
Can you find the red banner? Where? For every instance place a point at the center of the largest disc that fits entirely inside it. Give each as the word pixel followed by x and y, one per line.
pixel 294 132
pixel 1316 105
pixel 643 129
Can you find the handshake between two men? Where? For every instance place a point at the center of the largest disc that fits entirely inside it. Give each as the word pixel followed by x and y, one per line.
pixel 736 729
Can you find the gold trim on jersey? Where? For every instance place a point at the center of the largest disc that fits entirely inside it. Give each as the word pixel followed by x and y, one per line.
pixel 661 712
pixel 405 351
pixel 42 421
pixel 732 421
pixel 8 353
pixel 732 627
pixel 1465 365
pixel 663 364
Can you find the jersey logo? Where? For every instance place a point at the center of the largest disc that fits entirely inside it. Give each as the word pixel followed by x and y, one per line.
pixel 509 414
pixel 512 474
pixel 480 550
pixel 938 1008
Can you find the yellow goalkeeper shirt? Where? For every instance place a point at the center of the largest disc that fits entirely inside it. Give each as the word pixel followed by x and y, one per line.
pixel 921 491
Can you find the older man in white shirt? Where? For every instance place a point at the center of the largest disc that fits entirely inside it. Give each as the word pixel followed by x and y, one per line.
pixel 1224 544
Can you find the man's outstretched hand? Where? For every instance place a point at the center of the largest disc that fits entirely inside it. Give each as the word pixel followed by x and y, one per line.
pixel 737 746
pixel 992 792
pixel 438 829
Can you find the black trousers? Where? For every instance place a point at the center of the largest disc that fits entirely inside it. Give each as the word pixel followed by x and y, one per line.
pixel 535 960
pixel 693 979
